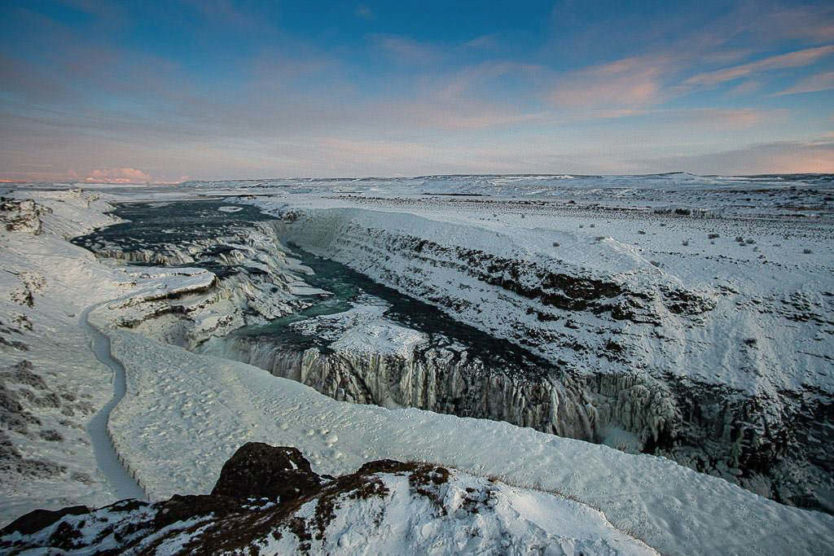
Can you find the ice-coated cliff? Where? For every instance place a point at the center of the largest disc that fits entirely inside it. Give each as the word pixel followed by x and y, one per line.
pixel 366 358
pixel 662 350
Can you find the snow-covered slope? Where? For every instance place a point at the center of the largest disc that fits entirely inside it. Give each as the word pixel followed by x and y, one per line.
pixel 51 382
pixel 268 501
pixel 184 414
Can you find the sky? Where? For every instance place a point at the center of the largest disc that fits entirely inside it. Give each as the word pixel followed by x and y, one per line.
pixel 146 91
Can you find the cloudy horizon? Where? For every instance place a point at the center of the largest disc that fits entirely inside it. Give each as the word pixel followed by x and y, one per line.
pixel 161 92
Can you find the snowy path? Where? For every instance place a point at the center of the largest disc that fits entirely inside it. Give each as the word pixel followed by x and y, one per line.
pixel 123 484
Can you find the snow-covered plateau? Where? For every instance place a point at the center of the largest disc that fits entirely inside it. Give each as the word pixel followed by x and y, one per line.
pixel 647 361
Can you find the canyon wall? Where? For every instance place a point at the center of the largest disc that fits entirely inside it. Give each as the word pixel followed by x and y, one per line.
pixel 610 334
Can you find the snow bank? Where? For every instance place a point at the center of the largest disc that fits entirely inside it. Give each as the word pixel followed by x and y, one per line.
pixel 184 414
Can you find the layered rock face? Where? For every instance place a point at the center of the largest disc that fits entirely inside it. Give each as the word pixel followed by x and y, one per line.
pixel 444 377
pixel 630 347
pixel 269 501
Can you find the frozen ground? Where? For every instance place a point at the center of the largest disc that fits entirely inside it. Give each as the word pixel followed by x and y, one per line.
pixel 184 414
pixel 386 507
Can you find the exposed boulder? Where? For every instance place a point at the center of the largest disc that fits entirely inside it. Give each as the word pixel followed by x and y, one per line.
pixel 41 519
pixel 259 470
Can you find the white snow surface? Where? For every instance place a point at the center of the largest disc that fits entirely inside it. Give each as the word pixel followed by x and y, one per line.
pixel 460 514
pixel 184 414
pixel 363 330
pixel 505 520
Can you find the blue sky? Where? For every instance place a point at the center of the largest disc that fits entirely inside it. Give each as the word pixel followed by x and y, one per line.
pixel 164 91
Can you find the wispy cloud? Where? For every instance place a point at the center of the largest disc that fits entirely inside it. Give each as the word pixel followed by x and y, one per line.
pixel 364 12
pixel 227 13
pixel 250 89
pixel 814 156
pixel 451 116
pixel 746 88
pixel 483 41
pixel 773 23
pixel 812 84
pixel 795 59
pixel 732 118
pixel 629 82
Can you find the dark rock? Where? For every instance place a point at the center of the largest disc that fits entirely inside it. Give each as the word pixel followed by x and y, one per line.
pixel 228 520
pixel 258 470
pixel 182 508
pixel 40 519
pixel 22 373
pixel 51 435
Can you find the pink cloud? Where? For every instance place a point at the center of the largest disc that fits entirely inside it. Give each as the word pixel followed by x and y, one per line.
pixel 118 175
pixel 795 59
pixel 464 115
pixel 629 82
pixel 745 88
pixel 804 22
pixel 815 156
pixel 741 118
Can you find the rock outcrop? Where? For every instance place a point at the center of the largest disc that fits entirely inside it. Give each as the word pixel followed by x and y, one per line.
pixel 258 470
pixel 269 501
pixel 22 215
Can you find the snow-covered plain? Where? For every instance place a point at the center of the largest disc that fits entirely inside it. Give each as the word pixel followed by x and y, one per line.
pixel 184 414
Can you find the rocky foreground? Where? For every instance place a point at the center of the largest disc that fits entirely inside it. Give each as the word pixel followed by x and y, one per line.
pixel 269 501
